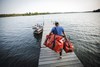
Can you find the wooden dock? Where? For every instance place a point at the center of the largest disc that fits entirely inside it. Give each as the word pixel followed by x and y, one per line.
pixel 48 58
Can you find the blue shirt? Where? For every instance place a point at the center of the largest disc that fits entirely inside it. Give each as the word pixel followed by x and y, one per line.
pixel 57 30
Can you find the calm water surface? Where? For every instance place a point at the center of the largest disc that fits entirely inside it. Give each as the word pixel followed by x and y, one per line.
pixel 19 47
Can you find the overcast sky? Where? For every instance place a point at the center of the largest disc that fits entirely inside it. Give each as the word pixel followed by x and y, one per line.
pixel 23 6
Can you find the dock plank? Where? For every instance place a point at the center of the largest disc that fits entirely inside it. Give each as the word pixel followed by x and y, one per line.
pixel 48 58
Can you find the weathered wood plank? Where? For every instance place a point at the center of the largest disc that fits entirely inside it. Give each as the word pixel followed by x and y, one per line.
pixel 73 63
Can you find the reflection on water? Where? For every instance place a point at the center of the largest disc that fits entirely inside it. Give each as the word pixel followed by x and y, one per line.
pixel 37 36
pixel 19 47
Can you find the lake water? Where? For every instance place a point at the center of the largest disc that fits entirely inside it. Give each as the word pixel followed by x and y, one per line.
pixel 20 48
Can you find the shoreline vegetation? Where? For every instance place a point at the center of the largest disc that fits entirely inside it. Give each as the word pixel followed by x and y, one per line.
pixel 45 13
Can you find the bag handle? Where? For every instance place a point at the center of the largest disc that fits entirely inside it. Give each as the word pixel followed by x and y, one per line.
pixel 55 31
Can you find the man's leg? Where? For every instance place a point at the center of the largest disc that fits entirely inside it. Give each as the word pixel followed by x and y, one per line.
pixel 60 55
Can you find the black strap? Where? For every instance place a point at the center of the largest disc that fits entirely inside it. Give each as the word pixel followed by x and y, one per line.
pixel 55 32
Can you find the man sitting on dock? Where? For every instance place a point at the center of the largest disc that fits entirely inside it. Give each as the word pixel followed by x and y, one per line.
pixel 59 31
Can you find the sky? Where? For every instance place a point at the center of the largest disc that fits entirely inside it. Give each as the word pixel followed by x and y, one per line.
pixel 23 6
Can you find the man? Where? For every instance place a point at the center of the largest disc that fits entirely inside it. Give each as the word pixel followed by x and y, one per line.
pixel 59 31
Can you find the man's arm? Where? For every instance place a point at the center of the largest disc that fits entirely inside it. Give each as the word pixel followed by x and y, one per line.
pixel 51 32
pixel 64 35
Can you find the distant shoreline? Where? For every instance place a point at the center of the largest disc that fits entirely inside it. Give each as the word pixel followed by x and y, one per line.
pixel 24 14
pixel 36 13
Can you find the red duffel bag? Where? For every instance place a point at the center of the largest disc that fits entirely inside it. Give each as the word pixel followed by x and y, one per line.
pixel 68 46
pixel 54 42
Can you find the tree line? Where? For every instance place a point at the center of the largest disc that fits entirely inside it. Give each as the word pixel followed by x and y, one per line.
pixel 24 14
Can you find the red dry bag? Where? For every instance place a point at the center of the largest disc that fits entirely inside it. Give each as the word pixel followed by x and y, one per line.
pixel 68 46
pixel 54 42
